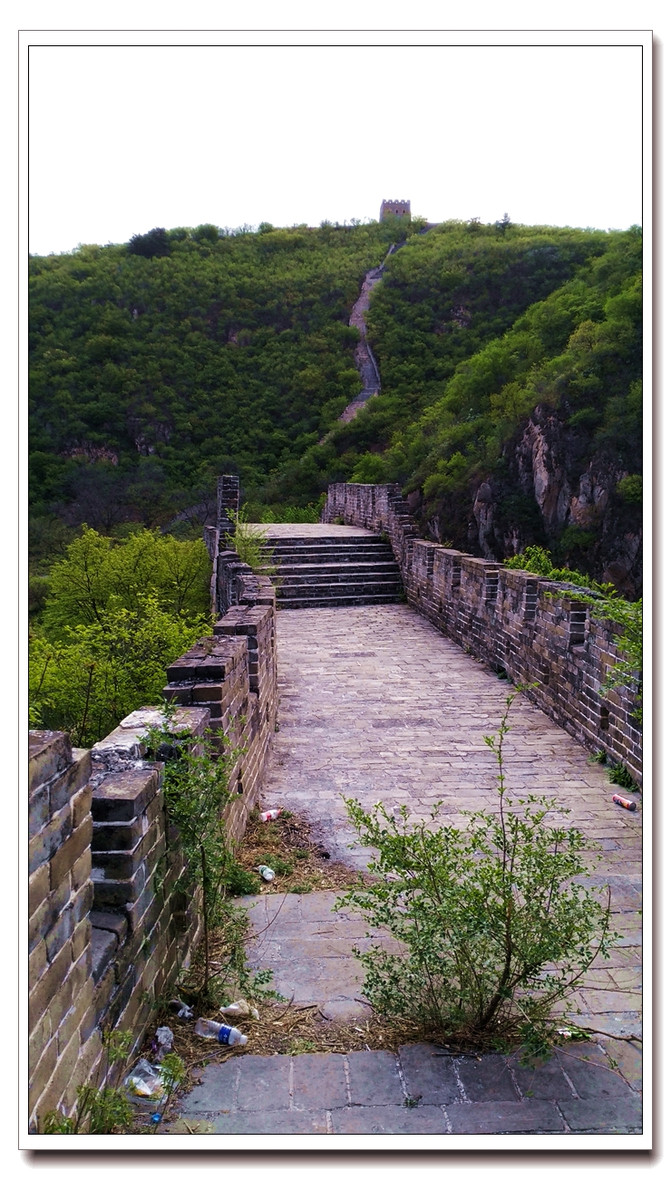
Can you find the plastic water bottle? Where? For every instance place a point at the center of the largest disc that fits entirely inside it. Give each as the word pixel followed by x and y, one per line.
pixel 266 872
pixel 223 1033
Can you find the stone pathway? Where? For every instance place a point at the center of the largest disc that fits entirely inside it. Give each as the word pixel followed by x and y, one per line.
pixel 376 704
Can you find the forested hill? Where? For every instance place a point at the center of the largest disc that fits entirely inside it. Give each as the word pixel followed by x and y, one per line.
pixel 509 357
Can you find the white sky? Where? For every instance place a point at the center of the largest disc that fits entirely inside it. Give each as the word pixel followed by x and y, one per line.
pixel 125 138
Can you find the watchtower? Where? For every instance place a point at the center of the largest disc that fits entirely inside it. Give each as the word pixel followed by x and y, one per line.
pixel 394 209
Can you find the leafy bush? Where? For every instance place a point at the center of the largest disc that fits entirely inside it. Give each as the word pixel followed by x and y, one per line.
pixel 620 777
pixel 239 882
pixel 630 489
pixel 494 930
pixel 250 543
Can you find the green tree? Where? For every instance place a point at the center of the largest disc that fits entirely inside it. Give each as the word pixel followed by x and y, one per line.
pixel 99 570
pixel 97 672
pixel 154 244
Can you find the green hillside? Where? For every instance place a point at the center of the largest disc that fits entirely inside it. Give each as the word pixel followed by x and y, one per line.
pixel 157 365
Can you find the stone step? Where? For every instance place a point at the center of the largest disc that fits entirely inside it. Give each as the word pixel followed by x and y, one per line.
pixel 339 589
pixel 331 557
pixel 287 575
pixel 342 600
pixel 317 542
pixel 332 571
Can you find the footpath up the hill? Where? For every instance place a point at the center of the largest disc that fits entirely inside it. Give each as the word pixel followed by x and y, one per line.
pixel 375 704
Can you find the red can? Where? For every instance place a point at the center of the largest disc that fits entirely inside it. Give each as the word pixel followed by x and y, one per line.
pixel 621 802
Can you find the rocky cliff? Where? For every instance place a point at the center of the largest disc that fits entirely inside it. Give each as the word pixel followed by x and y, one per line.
pixel 549 491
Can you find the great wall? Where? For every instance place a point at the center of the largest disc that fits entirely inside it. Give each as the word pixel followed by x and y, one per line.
pixel 107 934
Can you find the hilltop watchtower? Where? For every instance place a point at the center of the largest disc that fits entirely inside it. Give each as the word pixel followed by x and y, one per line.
pixel 394 209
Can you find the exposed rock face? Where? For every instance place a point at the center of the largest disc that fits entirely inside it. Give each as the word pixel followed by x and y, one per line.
pixel 541 466
pixel 549 466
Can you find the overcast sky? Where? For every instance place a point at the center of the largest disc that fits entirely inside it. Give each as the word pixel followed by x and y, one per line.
pixel 125 138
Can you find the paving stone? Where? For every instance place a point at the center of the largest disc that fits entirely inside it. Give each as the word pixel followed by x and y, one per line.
pixel 546 1080
pixel 629 1057
pixel 429 1072
pixel 344 1011
pixel 594 1078
pixel 271 1122
pixel 217 1091
pixel 319 1081
pixel 389 1120
pixel 503 1118
pixel 373 1078
pixel 264 1083
pixel 603 1115
pixel 375 704
pixel 485 1079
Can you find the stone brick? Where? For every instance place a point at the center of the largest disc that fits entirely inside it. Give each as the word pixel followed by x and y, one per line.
pixel 591 1076
pixel 114 923
pixel 272 1122
pixel 59 933
pixel 72 780
pixel 38 887
pixel 48 752
pixel 64 1070
pixel 319 1081
pixel 373 1078
pixel 47 914
pixel 45 843
pixel 38 1041
pixel 81 869
pixel 60 1003
pixel 68 854
pixel 90 1053
pixel 43 1068
pixel 124 795
pixel 504 1118
pixel 47 986
pixel 604 1116
pixel 81 936
pixel 37 963
pixel 389 1120
pixel 39 813
pixel 429 1074
pixel 81 805
pixel 264 1083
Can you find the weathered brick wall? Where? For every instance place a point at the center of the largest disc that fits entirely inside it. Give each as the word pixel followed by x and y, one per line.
pixel 63 1045
pixel 234 675
pixel 108 932
pixel 512 620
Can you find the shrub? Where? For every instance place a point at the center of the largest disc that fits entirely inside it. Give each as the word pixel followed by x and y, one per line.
pixel 250 544
pixel 494 931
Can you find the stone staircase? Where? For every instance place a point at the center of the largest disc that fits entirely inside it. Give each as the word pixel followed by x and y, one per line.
pixel 332 571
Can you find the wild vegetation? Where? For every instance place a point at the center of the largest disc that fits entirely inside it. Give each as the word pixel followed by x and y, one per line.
pixel 115 615
pixel 185 353
pixel 494 931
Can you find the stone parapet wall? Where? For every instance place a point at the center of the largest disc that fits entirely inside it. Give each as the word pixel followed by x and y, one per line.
pixel 108 931
pixel 63 1045
pixel 234 675
pixel 536 631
